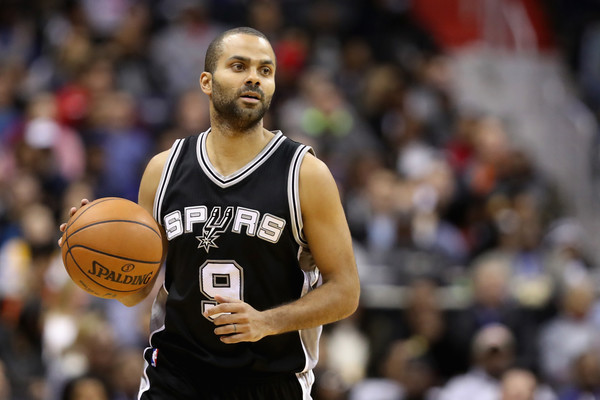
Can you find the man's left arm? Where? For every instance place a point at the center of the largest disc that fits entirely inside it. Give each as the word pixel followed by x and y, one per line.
pixel 328 236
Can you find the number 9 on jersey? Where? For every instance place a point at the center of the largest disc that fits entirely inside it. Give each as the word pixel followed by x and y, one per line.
pixel 220 278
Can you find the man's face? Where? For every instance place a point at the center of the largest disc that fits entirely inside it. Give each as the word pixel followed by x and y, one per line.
pixel 243 82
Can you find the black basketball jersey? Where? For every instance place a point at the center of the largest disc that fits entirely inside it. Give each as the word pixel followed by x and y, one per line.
pixel 238 236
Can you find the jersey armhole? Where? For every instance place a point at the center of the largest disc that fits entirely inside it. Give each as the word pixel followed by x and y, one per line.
pixel 164 179
pixel 294 194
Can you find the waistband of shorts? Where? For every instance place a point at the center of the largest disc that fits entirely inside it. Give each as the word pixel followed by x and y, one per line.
pixel 190 366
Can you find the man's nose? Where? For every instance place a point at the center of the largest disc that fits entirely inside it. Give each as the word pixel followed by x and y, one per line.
pixel 253 77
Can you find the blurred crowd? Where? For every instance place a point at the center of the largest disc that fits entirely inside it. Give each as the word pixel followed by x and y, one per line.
pixel 500 299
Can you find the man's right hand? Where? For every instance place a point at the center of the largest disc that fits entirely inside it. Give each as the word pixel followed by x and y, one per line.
pixel 72 211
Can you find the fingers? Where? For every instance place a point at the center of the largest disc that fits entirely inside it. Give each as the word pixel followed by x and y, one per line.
pixel 233 333
pixel 230 318
pixel 226 305
pixel 224 299
pixel 72 212
pixel 235 320
pixel 231 329
pixel 231 321
pixel 223 308
pixel 230 339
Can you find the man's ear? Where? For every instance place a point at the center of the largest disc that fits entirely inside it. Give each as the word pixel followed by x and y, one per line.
pixel 206 82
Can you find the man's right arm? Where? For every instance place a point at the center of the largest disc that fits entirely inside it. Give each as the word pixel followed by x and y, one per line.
pixel 147 192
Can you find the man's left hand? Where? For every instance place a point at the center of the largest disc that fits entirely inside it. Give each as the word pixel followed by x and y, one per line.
pixel 237 321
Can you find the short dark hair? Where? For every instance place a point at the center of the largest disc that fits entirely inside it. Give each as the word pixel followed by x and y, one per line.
pixel 214 49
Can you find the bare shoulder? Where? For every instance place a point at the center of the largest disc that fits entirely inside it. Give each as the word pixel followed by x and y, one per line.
pixel 318 189
pixel 314 170
pixel 157 163
pixel 151 179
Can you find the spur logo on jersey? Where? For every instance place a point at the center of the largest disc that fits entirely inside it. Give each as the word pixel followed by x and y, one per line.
pixel 215 225
pixel 218 221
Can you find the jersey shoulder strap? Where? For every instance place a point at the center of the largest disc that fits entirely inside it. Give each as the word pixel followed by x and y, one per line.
pixel 172 158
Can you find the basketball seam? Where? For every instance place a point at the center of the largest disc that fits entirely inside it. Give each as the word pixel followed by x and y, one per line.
pixel 113 255
pixel 91 205
pixel 113 220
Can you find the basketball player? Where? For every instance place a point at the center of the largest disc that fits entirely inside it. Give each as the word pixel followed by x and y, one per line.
pixel 248 215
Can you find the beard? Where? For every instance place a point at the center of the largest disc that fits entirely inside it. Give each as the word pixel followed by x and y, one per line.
pixel 230 113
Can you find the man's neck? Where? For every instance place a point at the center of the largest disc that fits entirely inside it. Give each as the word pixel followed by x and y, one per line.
pixel 229 150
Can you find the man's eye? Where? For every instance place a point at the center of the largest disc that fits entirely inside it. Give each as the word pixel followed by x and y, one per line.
pixel 266 71
pixel 237 67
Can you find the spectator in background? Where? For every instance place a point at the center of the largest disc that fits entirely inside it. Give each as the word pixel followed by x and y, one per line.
pixel 425 325
pixel 459 149
pixel 568 334
pixel 10 117
pixel 522 384
pixel 29 292
pixel 5 390
pixel 190 114
pixel 105 18
pixel 134 71
pixel 80 96
pixel 266 16
pixel 357 61
pixel 188 117
pixel 491 149
pixel 585 380
pixel 382 102
pixel 338 365
pixel 86 387
pixel 121 147
pixel 18 44
pixel 387 385
pixel 434 191
pixel 52 152
pixel 185 40
pixel 43 129
pixel 382 216
pixel 24 261
pixel 23 190
pixel 568 262
pixel 493 352
pixel 321 117
pixel 88 348
pixel 124 379
pixel 518 384
pixel 492 304
pixel 292 52
pixel 407 374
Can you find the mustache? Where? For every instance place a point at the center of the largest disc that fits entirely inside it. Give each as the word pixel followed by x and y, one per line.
pixel 252 88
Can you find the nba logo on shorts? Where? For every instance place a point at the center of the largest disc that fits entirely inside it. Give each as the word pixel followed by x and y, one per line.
pixel 154 360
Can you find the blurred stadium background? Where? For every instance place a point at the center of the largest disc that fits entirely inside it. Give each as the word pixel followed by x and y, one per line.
pixel 464 138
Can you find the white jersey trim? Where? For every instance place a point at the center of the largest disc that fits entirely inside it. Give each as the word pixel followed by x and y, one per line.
pixel 294 194
pixel 306 380
pixel 157 324
pixel 309 338
pixel 230 180
pixel 164 179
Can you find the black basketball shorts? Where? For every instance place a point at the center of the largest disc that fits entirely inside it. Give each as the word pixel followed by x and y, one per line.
pixel 167 382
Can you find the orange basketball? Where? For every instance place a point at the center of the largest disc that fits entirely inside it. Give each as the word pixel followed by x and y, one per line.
pixel 112 247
